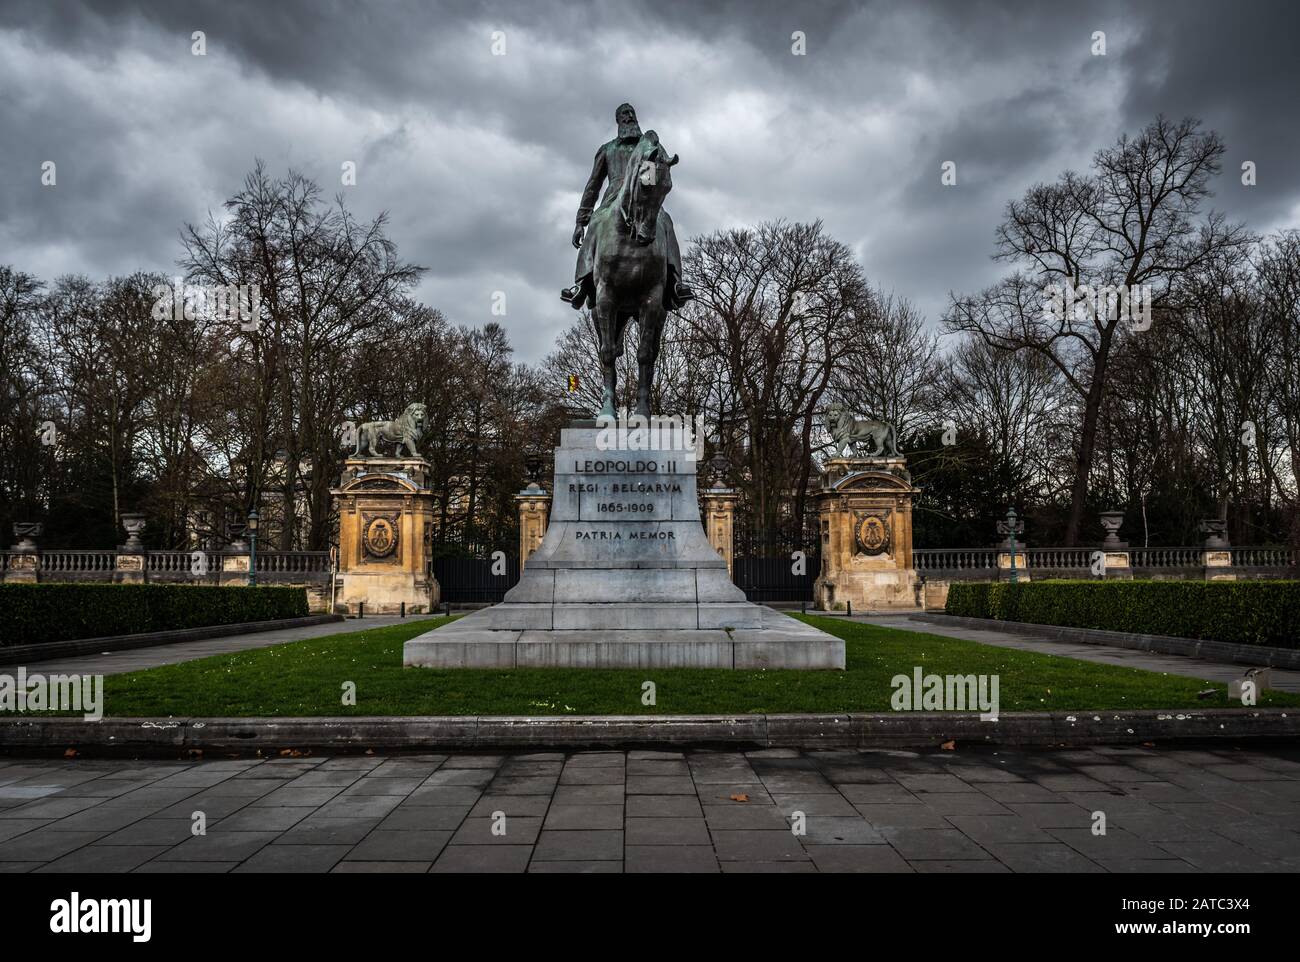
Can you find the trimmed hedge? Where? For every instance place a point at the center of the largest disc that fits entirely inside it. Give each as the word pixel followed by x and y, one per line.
pixel 1238 612
pixel 35 613
pixel 968 599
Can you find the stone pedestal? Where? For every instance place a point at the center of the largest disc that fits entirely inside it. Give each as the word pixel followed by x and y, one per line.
pixel 865 520
pixel 1118 563
pixel 625 577
pixel 386 513
pixel 1022 566
pixel 534 508
pixel 234 565
pixel 23 568
pixel 25 562
pixel 719 523
pixel 1218 565
pixel 128 568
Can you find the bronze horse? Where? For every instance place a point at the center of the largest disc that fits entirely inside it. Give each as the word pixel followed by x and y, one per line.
pixel 630 263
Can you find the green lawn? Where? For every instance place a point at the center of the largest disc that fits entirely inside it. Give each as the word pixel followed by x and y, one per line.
pixel 307 678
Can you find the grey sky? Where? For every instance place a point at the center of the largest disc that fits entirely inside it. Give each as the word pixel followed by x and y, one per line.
pixel 480 159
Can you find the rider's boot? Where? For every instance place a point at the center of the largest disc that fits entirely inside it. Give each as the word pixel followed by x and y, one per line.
pixel 573 296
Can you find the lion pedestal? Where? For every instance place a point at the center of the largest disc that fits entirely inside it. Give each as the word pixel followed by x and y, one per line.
pixel 865 507
pixel 386 513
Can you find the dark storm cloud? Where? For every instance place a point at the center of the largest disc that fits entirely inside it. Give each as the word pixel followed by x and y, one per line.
pixel 479 158
pixel 1235 68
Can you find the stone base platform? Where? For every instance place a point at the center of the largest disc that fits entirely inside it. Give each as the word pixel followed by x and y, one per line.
pixel 625 576
pixel 772 640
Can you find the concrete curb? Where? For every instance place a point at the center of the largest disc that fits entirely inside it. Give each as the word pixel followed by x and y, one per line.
pixel 28 654
pixel 1217 651
pixel 173 736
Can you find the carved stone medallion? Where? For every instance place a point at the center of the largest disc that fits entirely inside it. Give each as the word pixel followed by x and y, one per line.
pixel 871 532
pixel 380 535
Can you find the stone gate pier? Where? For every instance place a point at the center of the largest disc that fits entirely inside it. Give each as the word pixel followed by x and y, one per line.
pixel 865 525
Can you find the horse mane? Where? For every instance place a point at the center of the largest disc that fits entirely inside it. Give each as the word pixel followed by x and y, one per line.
pixel 630 190
pixel 627 191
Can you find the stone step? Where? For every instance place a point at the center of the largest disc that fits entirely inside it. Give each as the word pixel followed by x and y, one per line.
pixel 782 644
pixel 544 586
pixel 622 616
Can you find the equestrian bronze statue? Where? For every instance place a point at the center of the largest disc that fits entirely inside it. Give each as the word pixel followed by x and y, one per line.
pixel 629 264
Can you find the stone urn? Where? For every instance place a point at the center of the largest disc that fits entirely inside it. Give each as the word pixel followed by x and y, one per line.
pixel 1111 521
pixel 718 465
pixel 27 532
pixel 1216 533
pixel 134 525
pixel 533 465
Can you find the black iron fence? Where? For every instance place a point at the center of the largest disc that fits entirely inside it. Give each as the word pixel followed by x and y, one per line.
pixel 466 580
pixel 779 579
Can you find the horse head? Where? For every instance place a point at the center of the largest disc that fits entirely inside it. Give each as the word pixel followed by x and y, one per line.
pixel 646 182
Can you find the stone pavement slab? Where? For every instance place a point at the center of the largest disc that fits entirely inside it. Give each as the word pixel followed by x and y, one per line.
pixel 972 810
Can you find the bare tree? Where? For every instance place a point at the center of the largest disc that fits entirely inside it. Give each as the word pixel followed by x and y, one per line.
pixel 325 281
pixel 775 311
pixel 890 366
pixel 1278 267
pixel 24 401
pixel 1129 225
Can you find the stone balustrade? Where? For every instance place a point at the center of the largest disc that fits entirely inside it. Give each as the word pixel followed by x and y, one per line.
pixel 939 567
pixel 309 569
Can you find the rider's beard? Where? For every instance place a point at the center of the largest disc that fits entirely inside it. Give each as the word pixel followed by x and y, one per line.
pixel 630 131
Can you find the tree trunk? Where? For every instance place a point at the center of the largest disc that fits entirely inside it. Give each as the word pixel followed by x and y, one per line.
pixel 1087 445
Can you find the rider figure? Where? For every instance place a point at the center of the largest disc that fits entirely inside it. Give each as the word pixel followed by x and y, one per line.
pixel 611 162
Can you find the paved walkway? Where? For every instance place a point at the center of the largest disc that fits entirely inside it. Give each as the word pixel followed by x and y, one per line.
pixel 646 811
pixel 118 662
pixel 1125 657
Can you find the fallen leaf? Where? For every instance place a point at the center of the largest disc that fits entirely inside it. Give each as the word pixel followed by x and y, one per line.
pixel 740 798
